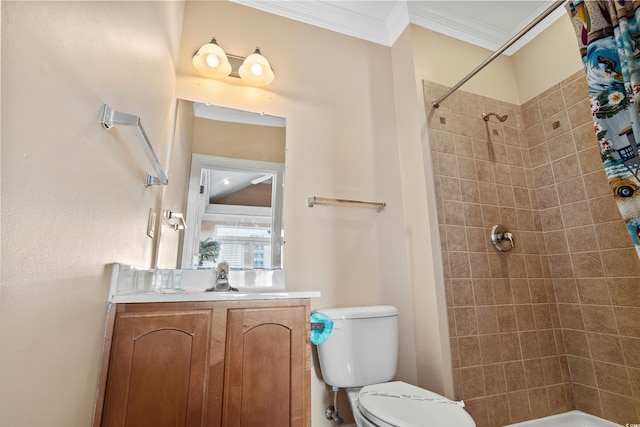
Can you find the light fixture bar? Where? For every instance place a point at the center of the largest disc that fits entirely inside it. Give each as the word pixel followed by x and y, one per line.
pixel 213 62
pixel 236 62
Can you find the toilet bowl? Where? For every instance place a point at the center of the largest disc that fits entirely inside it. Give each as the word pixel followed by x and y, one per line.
pixel 361 356
pixel 398 404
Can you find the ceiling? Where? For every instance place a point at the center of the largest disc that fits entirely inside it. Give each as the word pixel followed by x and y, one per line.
pixel 488 24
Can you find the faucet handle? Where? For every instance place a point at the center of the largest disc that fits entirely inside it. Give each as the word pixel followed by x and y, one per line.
pixel 508 236
pixel 499 235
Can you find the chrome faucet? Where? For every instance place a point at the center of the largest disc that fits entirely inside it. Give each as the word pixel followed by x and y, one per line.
pixel 222 277
pixel 221 280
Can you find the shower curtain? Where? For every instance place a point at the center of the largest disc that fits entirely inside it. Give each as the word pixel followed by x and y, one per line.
pixel 609 39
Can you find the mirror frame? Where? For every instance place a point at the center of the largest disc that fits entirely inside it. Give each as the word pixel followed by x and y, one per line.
pixel 196 209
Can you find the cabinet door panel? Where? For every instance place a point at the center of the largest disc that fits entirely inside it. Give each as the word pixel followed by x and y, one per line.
pixel 265 366
pixel 158 369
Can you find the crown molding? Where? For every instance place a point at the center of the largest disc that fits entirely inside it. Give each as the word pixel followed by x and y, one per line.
pixel 382 22
pixel 332 16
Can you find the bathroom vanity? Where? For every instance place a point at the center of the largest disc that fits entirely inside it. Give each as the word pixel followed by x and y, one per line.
pixel 226 359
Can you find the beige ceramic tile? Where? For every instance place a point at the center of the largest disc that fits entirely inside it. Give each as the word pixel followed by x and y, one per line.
pixel 575 91
pixel 498 409
pixel 599 318
pixel 483 292
pixel 605 348
pixel 576 214
pixel 619 409
pixel 466 323
pixel 576 343
pixel 628 320
pixel 613 235
pixel 587 399
pixel 612 377
pixel 519 406
pixel 624 291
pixel 580 114
pixel 551 370
pixel 539 402
pixel 490 349
pixel 469 351
pixel 593 291
pixel 631 351
pixel 462 292
pixel 582 371
pixel 621 263
pixel 510 347
pixel 530 345
pixel 472 382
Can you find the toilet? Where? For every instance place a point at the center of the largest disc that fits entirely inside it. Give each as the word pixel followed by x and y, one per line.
pixel 361 356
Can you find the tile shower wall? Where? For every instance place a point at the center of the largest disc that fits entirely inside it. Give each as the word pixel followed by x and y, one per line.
pixel 552 325
pixel 594 268
pixel 508 357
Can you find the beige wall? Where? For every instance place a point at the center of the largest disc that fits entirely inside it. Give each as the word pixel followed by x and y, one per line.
pixel 550 57
pixel 544 61
pixel 446 60
pixel 429 316
pixel 169 241
pixel 73 199
pixel 239 140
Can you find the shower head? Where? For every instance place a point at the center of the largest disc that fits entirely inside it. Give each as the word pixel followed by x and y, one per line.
pixel 486 116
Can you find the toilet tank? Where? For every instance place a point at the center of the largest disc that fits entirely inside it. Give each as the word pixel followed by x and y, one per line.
pixel 362 348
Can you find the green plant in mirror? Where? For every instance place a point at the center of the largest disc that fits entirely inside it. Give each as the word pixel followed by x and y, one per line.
pixel 209 251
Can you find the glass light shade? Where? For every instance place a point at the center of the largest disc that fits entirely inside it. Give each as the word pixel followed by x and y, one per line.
pixel 211 60
pixel 256 70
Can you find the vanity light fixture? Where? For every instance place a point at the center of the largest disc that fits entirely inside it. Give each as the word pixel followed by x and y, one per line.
pixel 212 61
pixel 256 69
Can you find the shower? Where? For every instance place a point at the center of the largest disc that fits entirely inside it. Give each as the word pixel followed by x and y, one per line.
pixel 486 116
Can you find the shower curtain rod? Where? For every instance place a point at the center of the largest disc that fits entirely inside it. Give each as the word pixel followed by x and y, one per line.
pixel 504 47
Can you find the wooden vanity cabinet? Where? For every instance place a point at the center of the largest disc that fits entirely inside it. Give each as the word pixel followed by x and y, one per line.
pixel 213 363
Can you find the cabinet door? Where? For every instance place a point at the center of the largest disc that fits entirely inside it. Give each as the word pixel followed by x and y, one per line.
pixel 265 367
pixel 158 369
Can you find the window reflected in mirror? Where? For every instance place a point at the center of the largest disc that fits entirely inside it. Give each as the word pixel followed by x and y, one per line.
pixel 238 216
pixel 227 176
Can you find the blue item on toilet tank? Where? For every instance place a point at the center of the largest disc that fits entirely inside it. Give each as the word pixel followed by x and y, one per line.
pixel 321 327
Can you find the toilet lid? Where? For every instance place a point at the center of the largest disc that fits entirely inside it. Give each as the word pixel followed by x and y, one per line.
pixel 398 404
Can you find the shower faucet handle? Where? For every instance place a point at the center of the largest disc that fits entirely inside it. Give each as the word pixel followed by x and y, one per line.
pixel 508 236
pixel 502 239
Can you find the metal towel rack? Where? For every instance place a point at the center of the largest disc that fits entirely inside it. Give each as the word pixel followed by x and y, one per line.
pixel 110 118
pixel 311 201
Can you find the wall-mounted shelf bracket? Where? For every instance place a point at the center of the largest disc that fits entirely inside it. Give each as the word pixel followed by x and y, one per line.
pixel 110 118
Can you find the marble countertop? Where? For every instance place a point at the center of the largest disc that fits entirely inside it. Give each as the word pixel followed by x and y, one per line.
pixel 131 284
pixel 174 296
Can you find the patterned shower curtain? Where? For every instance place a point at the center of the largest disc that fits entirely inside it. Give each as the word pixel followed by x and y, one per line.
pixel 609 39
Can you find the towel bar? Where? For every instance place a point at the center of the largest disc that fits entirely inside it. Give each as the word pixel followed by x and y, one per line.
pixel 110 118
pixel 311 201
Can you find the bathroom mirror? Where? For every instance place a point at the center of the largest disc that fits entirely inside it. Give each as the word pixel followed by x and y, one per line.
pixel 226 177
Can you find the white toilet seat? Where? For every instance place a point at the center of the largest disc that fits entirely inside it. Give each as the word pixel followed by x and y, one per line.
pixel 398 404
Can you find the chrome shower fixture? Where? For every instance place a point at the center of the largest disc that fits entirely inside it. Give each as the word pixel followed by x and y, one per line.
pixel 486 116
